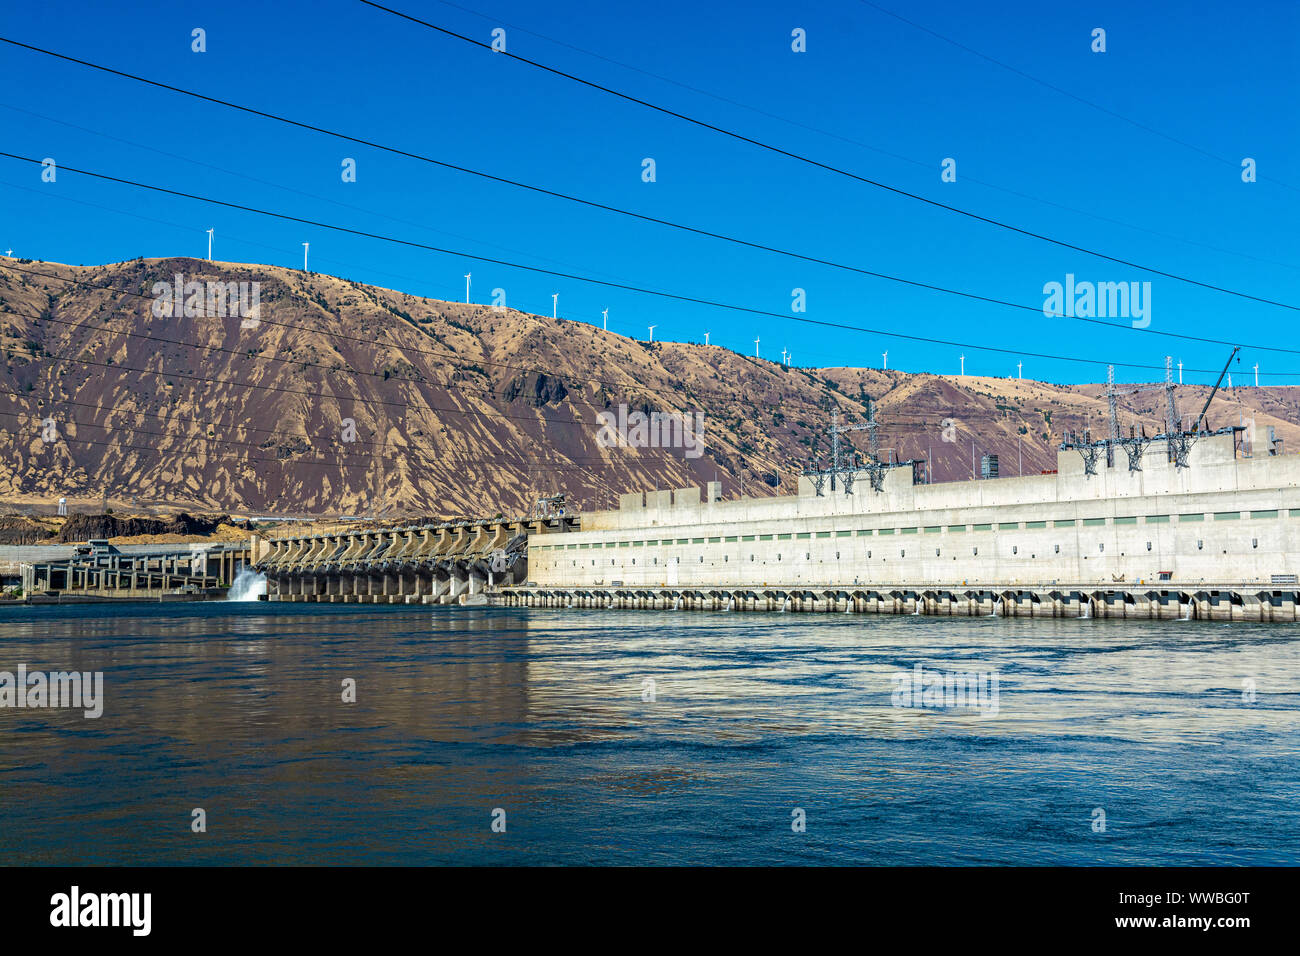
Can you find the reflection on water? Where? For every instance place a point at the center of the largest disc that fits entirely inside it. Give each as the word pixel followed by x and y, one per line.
pixel 626 737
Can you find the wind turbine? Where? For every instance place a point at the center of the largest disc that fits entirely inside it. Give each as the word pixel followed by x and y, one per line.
pixel 756 347
pixel 1180 373
pixel 467 275
pixel 784 353
pixel 1019 366
pixel 9 252
pixel 652 333
pixel 1257 375
pixel 884 361
pixel 209 245
pixel 605 319
pixel 305 245
pixel 555 305
pixel 963 365
pixel 706 338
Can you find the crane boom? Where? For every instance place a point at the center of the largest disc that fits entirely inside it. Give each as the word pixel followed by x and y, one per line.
pixel 1213 391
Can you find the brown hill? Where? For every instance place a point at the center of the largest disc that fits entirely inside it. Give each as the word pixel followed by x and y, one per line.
pixel 456 409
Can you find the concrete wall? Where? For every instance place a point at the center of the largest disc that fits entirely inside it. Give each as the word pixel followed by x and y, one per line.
pixel 1224 520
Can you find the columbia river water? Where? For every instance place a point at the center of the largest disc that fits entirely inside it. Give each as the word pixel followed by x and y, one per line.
pixel 638 737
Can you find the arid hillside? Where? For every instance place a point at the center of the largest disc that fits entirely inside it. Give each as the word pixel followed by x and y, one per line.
pixel 338 398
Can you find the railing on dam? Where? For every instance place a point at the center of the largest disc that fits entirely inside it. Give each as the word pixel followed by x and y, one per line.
pixel 457 562
pixel 1198 602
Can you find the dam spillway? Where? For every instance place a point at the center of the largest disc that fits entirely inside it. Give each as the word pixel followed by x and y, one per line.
pixel 453 562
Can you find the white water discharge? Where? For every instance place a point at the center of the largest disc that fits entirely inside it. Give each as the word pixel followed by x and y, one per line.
pixel 247 586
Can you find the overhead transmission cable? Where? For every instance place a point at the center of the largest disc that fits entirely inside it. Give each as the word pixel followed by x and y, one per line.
pixel 642 216
pixel 790 154
pixel 619 285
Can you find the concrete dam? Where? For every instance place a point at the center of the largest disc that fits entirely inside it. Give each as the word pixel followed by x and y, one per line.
pixel 458 562
pixel 1195 530
pixel 1198 532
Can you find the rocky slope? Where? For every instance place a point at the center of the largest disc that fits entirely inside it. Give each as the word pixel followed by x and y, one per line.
pixel 345 398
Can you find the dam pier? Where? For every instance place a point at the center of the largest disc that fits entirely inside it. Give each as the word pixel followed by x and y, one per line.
pixel 1206 603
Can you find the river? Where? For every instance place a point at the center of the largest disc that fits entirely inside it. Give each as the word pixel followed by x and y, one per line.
pixel 627 737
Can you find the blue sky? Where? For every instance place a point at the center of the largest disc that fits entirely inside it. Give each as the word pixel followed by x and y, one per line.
pixel 890 100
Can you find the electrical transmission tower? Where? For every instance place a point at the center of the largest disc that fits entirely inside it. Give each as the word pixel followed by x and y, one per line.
pixel 844 472
pixel 1178 440
pixel 1135 444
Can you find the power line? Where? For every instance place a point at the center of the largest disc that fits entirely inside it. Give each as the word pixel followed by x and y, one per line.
pixel 273 185
pixel 859 143
pixel 641 216
pixel 498 179
pixel 826 166
pixel 405 348
pixel 895 418
pixel 355 400
pixel 451 355
pixel 347 370
pixel 375 458
pixel 630 288
pixel 1063 92
pixel 241 240
pixel 212 424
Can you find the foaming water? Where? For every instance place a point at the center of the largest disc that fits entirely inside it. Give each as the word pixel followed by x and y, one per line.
pixel 639 737
pixel 248 585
